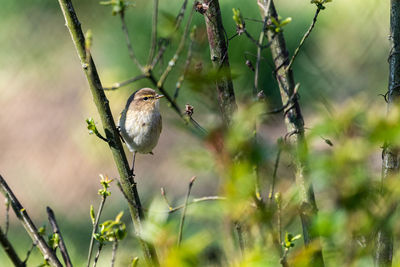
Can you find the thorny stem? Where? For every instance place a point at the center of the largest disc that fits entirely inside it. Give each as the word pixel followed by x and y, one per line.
pixel 128 41
pixel 154 33
pixel 61 243
pixel 26 221
pixel 180 234
pixel 306 35
pixel 110 129
pixel 10 251
pixel 94 230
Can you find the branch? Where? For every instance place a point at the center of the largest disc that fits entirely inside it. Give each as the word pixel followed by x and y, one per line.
pixel 184 210
pixel 95 225
pixel 174 59
pixel 295 124
pixel 128 41
pixel 26 221
pixel 120 84
pixel 154 33
pixel 165 44
pixel 390 155
pixel 296 52
pixel 196 200
pixel 10 251
pixel 110 129
pixel 220 60
pixel 56 230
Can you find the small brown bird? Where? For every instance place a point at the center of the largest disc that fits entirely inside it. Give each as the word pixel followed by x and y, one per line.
pixel 140 122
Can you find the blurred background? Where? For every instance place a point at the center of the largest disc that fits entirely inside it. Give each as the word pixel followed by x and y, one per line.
pixel 49 159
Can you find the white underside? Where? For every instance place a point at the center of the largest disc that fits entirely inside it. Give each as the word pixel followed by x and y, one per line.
pixel 141 130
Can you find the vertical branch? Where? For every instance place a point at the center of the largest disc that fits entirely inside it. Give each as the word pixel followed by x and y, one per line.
pixel 219 57
pixel 110 129
pixel 390 155
pixel 295 125
pixel 184 210
pixel 56 230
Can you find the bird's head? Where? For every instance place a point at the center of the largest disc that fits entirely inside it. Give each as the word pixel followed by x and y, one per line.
pixel 145 99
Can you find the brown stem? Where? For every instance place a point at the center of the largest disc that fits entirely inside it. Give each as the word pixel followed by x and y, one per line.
pixel 219 57
pixel 56 230
pixel 390 155
pixel 295 124
pixel 10 251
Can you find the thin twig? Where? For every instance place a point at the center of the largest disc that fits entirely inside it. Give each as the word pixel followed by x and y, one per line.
pixel 28 253
pixel 185 69
pixel 10 251
pixel 61 243
pixel 296 52
pixel 239 231
pixel 120 84
pixel 7 200
pixel 154 33
pixel 114 252
pixel 184 210
pixel 94 230
pixel 26 221
pixel 172 62
pixel 276 165
pixel 128 41
pixel 196 200
pixel 164 195
pixel 96 258
pixel 165 44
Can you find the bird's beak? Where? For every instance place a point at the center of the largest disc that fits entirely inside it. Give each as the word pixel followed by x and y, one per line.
pixel 159 96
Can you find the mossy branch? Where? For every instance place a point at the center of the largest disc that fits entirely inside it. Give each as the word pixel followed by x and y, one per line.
pixel 101 102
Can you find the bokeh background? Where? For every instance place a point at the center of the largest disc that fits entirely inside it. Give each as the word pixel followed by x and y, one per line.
pixel 48 157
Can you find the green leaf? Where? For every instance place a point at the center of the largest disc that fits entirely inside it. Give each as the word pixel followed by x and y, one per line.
pixel 135 262
pixel 92 215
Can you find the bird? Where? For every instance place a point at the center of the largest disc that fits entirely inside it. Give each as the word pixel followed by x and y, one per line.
pixel 140 122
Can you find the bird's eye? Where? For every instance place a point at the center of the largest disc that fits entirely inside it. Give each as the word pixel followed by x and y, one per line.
pixel 145 98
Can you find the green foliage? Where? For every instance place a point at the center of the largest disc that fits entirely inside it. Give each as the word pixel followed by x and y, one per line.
pixel 92 215
pixel 117 6
pixel 111 230
pixel 238 18
pixel 53 241
pixel 278 24
pixel 105 182
pixel 320 3
pixel 289 240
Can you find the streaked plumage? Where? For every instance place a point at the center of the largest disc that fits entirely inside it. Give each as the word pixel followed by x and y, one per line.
pixel 140 122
